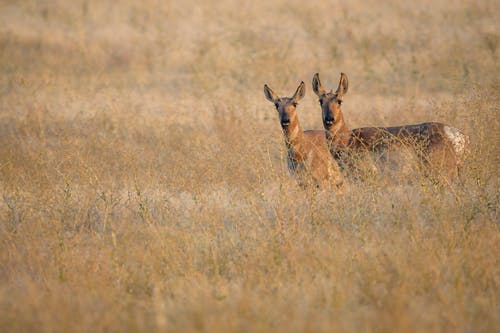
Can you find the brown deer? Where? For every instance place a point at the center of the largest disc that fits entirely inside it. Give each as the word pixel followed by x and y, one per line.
pixel 308 157
pixel 437 146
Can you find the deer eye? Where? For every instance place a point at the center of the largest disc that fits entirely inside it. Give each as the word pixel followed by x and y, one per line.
pixel 276 105
pixel 294 104
pixel 321 101
pixel 339 102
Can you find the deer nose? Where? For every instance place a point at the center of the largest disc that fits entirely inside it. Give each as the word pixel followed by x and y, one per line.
pixel 285 122
pixel 329 120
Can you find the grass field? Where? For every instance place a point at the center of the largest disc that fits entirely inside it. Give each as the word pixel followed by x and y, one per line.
pixel 142 171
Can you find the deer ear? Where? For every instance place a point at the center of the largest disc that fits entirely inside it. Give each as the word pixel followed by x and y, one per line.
pixel 317 87
pixel 343 85
pixel 300 92
pixel 270 95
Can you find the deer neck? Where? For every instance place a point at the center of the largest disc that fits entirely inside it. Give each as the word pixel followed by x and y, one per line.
pixel 294 139
pixel 338 135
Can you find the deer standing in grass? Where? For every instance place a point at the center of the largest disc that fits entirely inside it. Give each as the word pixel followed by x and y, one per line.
pixel 308 157
pixel 437 146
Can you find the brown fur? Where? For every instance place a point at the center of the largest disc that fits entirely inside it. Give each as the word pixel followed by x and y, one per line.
pixel 308 157
pixel 429 142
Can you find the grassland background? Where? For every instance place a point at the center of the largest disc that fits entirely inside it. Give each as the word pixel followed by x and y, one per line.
pixel 142 174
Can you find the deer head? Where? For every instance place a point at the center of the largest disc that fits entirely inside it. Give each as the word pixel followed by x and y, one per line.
pixel 286 105
pixel 331 102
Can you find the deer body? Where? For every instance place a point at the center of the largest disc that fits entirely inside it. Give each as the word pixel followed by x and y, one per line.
pixel 438 146
pixel 308 157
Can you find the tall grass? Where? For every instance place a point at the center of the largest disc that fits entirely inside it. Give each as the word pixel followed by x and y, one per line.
pixel 143 179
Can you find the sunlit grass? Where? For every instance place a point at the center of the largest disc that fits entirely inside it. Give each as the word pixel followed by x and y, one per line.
pixel 143 182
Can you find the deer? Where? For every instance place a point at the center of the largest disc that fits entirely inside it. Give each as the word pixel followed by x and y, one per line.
pixel 308 157
pixel 437 146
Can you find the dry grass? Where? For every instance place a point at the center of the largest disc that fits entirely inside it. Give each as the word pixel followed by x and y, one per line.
pixel 142 169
